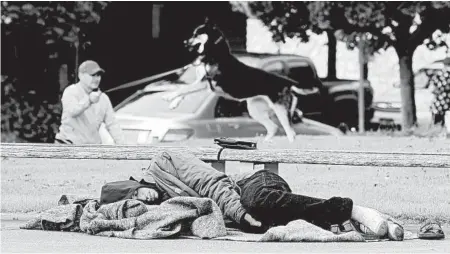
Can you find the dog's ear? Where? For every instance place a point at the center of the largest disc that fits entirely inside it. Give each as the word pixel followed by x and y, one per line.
pixel 207 21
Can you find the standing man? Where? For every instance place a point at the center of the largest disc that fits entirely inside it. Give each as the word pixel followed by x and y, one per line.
pixel 85 108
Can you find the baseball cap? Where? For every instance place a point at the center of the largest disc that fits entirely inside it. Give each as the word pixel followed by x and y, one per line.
pixel 90 67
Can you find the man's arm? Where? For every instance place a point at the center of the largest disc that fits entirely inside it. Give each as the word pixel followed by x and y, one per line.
pixel 71 105
pixel 111 123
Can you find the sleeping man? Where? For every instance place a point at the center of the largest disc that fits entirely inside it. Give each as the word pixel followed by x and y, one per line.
pixel 253 201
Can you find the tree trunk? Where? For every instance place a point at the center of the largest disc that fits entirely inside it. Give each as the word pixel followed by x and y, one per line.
pixel 332 51
pixel 407 90
pixel 362 80
pixel 366 71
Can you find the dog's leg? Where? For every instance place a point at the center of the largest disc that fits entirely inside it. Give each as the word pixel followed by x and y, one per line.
pixel 283 116
pixel 259 110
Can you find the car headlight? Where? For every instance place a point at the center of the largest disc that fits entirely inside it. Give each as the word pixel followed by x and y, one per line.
pixel 177 135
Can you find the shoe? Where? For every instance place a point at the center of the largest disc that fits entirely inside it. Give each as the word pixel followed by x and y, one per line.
pixel 395 231
pixel 431 230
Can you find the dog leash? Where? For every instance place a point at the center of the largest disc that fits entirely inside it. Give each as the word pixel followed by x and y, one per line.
pixel 148 79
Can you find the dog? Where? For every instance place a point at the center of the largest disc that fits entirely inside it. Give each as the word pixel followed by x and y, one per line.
pixel 265 93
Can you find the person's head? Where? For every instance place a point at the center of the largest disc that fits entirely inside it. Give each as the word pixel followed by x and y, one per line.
pixel 90 74
pixel 146 194
pixel 130 189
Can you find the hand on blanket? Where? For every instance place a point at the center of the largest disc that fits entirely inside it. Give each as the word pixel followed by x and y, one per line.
pixel 252 221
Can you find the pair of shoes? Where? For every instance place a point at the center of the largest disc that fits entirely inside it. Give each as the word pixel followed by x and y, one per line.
pixel 431 230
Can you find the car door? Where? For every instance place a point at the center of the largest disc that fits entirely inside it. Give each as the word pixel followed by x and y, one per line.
pixel 312 104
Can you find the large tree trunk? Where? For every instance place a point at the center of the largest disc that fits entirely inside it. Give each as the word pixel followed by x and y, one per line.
pixel 332 42
pixel 407 90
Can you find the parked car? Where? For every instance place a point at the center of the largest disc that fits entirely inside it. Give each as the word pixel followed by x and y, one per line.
pixel 146 118
pixel 388 104
pixel 335 104
pixel 207 115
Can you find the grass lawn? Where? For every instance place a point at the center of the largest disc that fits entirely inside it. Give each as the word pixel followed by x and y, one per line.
pixel 409 194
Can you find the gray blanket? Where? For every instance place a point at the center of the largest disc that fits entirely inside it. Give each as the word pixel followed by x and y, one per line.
pixel 199 217
pixel 177 217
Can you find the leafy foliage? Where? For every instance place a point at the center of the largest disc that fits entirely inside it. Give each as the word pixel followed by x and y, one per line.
pixel 55 25
pixel 382 24
pixel 403 25
pixel 28 119
pixel 57 21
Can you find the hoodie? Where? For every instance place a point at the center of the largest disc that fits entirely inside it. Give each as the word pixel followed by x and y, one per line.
pixel 121 190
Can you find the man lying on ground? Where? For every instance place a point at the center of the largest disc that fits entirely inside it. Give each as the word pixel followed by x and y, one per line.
pixel 253 201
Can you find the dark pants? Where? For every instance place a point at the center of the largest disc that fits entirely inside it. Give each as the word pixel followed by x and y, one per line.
pixel 268 198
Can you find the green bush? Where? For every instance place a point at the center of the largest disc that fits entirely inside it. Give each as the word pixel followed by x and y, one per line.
pixel 28 117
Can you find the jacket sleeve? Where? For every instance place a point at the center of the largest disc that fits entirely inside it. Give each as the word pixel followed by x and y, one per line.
pixel 205 180
pixel 111 123
pixel 71 105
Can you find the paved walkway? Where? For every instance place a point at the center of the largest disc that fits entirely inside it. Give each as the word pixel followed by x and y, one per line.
pixel 14 239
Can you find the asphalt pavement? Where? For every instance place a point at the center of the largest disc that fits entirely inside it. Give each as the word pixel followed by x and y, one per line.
pixel 17 240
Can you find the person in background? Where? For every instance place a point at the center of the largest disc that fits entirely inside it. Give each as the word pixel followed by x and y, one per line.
pixel 440 106
pixel 85 108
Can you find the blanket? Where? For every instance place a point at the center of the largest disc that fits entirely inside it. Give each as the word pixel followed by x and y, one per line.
pixel 294 231
pixel 200 217
pixel 59 218
pixel 187 217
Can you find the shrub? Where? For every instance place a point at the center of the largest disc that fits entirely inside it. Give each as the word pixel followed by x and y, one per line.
pixel 27 116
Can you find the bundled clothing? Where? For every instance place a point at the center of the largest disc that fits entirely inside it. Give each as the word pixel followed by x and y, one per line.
pixel 186 217
pixel 133 219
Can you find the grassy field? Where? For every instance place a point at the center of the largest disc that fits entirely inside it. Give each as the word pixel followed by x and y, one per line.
pixel 409 194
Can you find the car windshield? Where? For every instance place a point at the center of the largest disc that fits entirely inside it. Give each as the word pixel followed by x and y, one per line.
pixel 153 105
pixel 188 76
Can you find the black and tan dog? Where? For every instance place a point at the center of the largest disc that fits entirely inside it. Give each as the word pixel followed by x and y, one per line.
pixel 264 92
